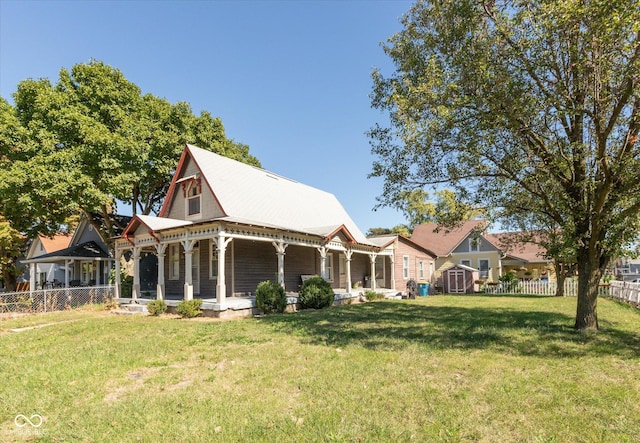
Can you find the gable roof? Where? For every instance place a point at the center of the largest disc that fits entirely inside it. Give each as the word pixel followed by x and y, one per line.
pixel 56 243
pixel 527 251
pixel 87 250
pixel 385 240
pixel 443 242
pixel 251 195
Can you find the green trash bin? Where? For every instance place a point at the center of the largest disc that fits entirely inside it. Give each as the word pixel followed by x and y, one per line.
pixel 423 289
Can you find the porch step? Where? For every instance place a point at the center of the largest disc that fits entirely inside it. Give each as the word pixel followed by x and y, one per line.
pixel 131 309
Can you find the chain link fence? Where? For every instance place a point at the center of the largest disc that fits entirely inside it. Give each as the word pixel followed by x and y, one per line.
pixel 47 300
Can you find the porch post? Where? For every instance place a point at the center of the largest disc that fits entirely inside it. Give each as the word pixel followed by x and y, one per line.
pixel 372 258
pixel 280 247
pixel 392 259
pixel 347 254
pixel 135 293
pixel 67 263
pixel 221 289
pixel 118 256
pixel 188 268
pixel 32 277
pixel 323 262
pixel 160 249
pixel 98 279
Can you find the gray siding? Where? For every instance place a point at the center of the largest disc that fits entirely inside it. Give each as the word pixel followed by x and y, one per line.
pixel 485 246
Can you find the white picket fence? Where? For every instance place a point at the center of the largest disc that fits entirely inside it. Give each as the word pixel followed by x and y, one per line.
pixel 625 291
pixel 536 287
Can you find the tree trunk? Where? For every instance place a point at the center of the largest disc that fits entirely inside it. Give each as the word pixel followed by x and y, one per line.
pixel 560 278
pixel 589 275
pixel 10 281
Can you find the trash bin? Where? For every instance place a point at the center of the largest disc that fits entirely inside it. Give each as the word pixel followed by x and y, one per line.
pixel 423 289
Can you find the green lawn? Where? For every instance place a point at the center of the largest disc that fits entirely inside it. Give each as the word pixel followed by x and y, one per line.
pixel 443 368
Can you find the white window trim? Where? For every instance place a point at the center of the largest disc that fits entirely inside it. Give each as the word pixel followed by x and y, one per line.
pixel 421 269
pixel 488 267
pixel 188 198
pixel 406 262
pixel 213 249
pixel 477 241
pixel 328 266
pixel 174 256
pixel 466 262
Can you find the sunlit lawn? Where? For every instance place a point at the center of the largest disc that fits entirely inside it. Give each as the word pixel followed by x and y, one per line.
pixel 443 368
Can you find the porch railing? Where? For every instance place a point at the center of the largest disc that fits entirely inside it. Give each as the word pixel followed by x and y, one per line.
pixel 47 300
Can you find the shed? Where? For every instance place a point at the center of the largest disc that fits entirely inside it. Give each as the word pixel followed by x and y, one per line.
pixel 460 279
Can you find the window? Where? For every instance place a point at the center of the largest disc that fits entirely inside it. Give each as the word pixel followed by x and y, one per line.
pixel 483 267
pixel 474 244
pixel 421 269
pixel 465 262
pixel 213 265
pixel 342 264
pixel 405 266
pixel 329 266
pixel 193 200
pixel 174 261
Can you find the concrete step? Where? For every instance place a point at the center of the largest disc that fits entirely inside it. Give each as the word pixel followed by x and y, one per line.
pixel 134 308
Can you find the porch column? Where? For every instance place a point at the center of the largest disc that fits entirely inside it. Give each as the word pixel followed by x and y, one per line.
pixel 188 268
pixel 347 254
pixel 372 258
pixel 32 277
pixel 118 256
pixel 392 259
pixel 67 264
pixel 280 247
pixel 135 293
pixel 160 250
pixel 98 279
pixel 323 262
pixel 221 289
pixel 499 267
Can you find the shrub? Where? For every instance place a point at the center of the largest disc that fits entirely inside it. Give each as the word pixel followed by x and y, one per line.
pixel 189 308
pixel 509 281
pixel 270 297
pixel 156 307
pixel 372 295
pixel 316 293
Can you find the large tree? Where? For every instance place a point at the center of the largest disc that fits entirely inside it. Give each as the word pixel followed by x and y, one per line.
pixel 88 141
pixel 525 107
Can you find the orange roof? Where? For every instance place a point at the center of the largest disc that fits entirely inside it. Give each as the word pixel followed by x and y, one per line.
pixel 56 243
pixel 443 241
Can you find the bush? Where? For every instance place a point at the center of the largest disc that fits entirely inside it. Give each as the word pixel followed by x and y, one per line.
pixel 372 295
pixel 189 308
pixel 316 293
pixel 509 282
pixel 157 307
pixel 270 297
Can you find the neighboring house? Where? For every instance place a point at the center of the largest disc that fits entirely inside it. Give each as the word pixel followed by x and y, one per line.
pixel 627 269
pixel 411 261
pixel 226 226
pixel 526 260
pixel 82 259
pixel 467 245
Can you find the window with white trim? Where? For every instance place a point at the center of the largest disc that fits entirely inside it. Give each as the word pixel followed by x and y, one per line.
pixel 213 262
pixel 405 267
pixel 174 261
pixel 483 267
pixel 465 262
pixel 328 266
pixel 474 244
pixel 421 269
pixel 342 264
pixel 193 198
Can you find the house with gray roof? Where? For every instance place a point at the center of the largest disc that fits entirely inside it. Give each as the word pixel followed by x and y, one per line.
pixel 225 226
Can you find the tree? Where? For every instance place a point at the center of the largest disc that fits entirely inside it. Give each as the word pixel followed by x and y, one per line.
pixel 112 143
pixel 527 107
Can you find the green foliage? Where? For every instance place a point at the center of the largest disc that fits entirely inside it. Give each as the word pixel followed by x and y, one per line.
pixel 270 297
pixel 510 282
pixel 373 295
pixel 531 109
pixel 189 308
pixel 11 249
pixel 156 307
pixel 316 293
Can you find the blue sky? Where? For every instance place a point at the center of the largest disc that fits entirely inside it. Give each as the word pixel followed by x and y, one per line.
pixel 291 79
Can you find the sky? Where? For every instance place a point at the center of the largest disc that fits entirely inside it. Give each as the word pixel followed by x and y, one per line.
pixel 291 79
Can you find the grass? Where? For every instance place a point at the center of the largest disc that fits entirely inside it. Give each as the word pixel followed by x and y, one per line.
pixel 444 368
